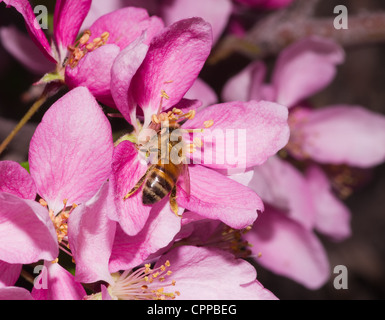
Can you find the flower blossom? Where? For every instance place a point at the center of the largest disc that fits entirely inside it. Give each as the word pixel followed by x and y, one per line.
pixel 105 240
pixel 188 273
pixel 83 62
pixel 69 161
pixel 155 82
pixel 341 135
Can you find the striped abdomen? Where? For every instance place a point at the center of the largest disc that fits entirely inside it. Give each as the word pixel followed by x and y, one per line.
pixel 160 182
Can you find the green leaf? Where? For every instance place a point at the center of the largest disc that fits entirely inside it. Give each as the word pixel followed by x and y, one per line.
pixel 25 165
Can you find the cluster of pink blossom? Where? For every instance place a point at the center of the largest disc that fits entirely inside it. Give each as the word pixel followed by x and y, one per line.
pixel 258 204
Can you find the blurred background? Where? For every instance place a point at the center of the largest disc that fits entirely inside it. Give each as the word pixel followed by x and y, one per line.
pixel 360 81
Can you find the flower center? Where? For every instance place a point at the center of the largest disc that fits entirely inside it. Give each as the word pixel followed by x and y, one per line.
pixel 144 284
pixel 84 45
pixel 60 223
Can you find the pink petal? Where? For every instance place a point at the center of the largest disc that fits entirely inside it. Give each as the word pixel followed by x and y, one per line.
pixel 26 231
pixel 127 171
pixel 9 273
pixel 246 85
pixel 16 180
pixel 209 274
pixel 215 196
pixel 94 72
pixel 68 17
pixel 345 134
pixel 123 69
pixel 61 285
pixel 15 293
pixel 33 27
pixel 203 92
pixel 248 133
pixel 332 216
pixel 125 25
pixel 71 150
pixel 159 230
pixel 304 68
pixel 24 50
pixel 277 182
pixel 288 249
pixel 172 64
pixel 91 234
pixel 216 13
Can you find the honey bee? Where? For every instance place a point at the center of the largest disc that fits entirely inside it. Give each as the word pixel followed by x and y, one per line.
pixel 162 177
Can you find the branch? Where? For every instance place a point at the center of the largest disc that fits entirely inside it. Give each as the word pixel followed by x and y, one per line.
pixel 273 33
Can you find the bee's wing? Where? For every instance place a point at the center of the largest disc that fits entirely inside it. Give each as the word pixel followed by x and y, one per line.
pixel 186 179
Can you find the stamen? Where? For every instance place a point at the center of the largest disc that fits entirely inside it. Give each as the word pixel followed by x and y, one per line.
pixel 82 46
pixel 144 283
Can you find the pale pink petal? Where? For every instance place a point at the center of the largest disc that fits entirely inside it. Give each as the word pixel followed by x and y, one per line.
pixel 33 27
pixel 125 25
pixel 100 8
pixel 68 17
pixel 60 284
pixel 16 180
pixel 91 235
pixel 345 134
pixel 332 215
pixel 71 151
pixel 172 64
pixel 245 135
pixel 15 293
pixel 305 68
pixel 24 50
pixel 127 171
pixel 210 274
pixel 123 69
pixel 94 72
pixel 288 249
pixel 159 230
pixel 26 231
pixel 215 196
pixel 9 273
pixel 246 85
pixel 277 182
pixel 216 13
pixel 203 92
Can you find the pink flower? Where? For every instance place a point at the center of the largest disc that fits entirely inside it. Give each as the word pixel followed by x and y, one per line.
pixel 60 157
pixel 160 76
pixel 217 13
pixel 189 273
pixel 84 62
pixel 338 135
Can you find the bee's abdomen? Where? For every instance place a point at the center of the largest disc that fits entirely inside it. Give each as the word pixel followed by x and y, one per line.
pixel 158 184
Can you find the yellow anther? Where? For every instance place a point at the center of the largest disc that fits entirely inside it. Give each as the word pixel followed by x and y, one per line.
pixel 167 263
pixel 85 37
pixel 155 119
pixel 55 261
pixel 43 202
pixel 208 123
pixel 90 46
pixel 164 94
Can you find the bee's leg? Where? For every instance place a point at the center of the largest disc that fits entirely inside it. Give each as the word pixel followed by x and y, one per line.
pixel 173 204
pixel 139 184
